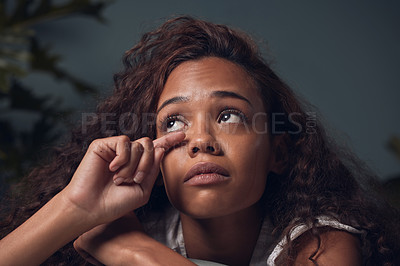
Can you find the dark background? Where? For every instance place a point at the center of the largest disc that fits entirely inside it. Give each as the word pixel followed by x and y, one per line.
pixel 342 56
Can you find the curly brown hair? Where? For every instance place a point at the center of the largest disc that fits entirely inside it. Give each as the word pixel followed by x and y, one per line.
pixel 320 177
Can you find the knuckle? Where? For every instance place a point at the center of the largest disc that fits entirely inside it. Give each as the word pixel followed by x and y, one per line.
pixel 137 146
pixel 146 139
pixel 77 245
pixel 96 144
pixel 147 143
pixel 123 138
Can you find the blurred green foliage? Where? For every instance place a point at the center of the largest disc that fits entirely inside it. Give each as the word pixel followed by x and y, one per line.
pixel 21 53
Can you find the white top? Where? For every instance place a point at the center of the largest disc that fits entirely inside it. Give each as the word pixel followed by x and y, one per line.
pixel 166 228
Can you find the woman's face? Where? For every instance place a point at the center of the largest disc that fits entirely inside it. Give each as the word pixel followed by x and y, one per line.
pixel 222 165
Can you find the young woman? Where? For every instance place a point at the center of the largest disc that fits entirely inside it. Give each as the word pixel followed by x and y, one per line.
pixel 244 178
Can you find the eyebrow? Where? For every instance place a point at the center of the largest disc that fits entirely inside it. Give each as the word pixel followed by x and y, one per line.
pixel 230 94
pixel 217 94
pixel 177 99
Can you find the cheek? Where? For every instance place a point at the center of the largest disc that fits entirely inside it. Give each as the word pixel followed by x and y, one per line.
pixel 252 151
pixel 252 158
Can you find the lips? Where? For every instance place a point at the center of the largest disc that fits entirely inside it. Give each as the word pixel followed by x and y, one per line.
pixel 205 173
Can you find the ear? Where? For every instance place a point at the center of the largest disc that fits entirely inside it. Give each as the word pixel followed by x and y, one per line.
pixel 280 153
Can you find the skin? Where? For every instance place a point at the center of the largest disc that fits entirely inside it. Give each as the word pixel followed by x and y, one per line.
pixel 337 248
pixel 213 212
pixel 221 222
pixel 238 147
pixel 91 198
pixel 123 242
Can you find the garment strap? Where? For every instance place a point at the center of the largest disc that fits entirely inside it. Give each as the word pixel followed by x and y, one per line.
pixel 298 230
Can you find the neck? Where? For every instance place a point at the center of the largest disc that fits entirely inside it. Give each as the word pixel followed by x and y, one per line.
pixel 229 239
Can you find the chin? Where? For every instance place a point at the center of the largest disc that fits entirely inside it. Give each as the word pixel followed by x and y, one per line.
pixel 206 207
pixel 201 213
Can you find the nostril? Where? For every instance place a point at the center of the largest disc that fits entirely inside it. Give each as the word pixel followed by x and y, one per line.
pixel 195 149
pixel 210 148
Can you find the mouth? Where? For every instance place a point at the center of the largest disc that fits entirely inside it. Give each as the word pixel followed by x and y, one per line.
pixel 206 173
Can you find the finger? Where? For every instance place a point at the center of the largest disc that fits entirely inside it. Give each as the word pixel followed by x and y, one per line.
pixel 161 145
pixel 155 169
pixel 122 152
pixel 146 161
pixel 146 164
pixel 148 182
pixel 168 141
pixel 108 148
pixel 125 174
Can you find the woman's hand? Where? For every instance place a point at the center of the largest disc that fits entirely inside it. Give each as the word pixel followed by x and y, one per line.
pixel 91 198
pixel 116 176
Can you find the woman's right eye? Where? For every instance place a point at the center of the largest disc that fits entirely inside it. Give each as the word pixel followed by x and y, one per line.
pixel 174 124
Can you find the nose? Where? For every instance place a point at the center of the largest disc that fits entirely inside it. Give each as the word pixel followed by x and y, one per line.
pixel 201 139
pixel 200 146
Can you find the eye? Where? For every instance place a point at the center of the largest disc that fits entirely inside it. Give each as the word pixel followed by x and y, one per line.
pixel 174 123
pixel 231 116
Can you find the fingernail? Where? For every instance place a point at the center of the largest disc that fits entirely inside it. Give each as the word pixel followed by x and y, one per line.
pixel 138 177
pixel 114 168
pixel 118 181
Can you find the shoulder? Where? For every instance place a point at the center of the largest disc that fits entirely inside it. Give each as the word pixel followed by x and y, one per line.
pixel 336 247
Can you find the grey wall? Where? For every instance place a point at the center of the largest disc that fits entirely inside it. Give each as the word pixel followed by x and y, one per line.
pixel 343 56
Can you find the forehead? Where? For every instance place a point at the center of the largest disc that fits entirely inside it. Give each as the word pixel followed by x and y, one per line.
pixel 198 78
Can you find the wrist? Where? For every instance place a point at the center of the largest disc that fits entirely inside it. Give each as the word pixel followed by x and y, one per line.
pixel 81 218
